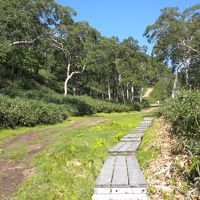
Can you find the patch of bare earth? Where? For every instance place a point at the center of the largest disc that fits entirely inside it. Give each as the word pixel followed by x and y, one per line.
pixel 162 179
pixel 13 173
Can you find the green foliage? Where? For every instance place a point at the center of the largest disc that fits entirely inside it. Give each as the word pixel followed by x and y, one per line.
pixel 148 148
pixel 176 38
pixel 31 107
pixel 118 137
pixel 137 106
pixel 184 115
pixel 17 111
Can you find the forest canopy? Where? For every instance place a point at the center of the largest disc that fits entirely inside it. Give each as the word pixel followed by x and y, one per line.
pixel 40 41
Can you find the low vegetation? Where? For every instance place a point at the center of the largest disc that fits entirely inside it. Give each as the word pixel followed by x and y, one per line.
pixel 68 168
pixel 52 108
pixel 183 113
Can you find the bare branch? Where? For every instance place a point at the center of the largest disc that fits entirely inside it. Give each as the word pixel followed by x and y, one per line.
pixel 21 42
pixel 184 44
pixel 24 41
pixel 78 72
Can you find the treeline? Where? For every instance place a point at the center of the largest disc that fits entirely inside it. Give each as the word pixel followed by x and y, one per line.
pixel 41 41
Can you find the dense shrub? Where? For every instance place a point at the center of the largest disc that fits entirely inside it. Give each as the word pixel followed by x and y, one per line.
pixel 42 107
pixel 20 112
pixel 136 106
pixel 184 115
pixel 80 105
pixel 145 104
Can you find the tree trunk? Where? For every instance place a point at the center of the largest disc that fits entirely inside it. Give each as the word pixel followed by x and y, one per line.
pixel 74 91
pixel 119 89
pixel 66 87
pixel 127 92
pixel 132 93
pixel 123 96
pixel 109 93
pixel 186 65
pixel 175 83
pixel 141 94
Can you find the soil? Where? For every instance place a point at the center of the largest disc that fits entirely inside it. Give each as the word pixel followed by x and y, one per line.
pixel 13 173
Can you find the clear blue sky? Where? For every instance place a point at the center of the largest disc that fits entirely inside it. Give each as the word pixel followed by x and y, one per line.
pixel 122 18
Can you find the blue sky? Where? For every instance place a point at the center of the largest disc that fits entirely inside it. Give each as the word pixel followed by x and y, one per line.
pixel 122 18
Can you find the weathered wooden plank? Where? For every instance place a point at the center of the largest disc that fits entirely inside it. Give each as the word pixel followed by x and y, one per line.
pixel 136 178
pixel 120 197
pixel 136 135
pixel 129 139
pixel 133 131
pixel 105 177
pixel 120 175
pixel 133 147
pixel 117 146
pixel 140 128
pixel 125 147
pixel 144 125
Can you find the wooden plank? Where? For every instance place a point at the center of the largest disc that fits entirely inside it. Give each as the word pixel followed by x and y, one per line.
pixel 140 128
pixel 136 135
pixel 120 175
pixel 125 139
pixel 119 197
pixel 136 131
pixel 117 146
pixel 144 125
pixel 136 177
pixel 125 147
pixel 105 177
pixel 133 147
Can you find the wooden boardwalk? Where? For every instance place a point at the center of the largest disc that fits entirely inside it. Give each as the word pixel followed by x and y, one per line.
pixel 121 177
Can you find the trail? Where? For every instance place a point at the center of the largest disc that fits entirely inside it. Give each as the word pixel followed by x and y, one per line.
pixel 12 172
pixel 148 92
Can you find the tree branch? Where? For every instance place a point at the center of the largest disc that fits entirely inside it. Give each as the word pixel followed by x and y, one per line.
pixel 183 43
pixel 78 72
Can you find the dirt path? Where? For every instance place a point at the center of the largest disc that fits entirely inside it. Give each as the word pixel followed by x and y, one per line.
pixel 148 92
pixel 12 173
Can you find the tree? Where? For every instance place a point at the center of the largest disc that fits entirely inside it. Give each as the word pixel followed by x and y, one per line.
pixel 72 45
pixel 176 37
pixel 29 24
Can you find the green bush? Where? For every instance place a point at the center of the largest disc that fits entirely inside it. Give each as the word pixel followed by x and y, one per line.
pixel 48 107
pixel 136 106
pixel 20 112
pixel 183 113
pixel 145 104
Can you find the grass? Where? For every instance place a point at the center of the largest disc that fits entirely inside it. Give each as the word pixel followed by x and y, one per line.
pixel 68 168
pixel 148 148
